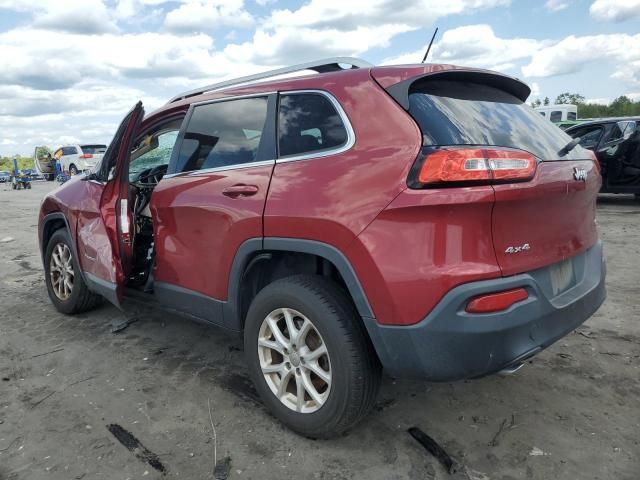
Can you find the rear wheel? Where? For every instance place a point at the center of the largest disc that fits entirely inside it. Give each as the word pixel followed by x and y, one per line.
pixel 73 170
pixel 66 288
pixel 309 356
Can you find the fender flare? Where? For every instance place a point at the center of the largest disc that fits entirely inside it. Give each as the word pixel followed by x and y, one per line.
pixel 253 246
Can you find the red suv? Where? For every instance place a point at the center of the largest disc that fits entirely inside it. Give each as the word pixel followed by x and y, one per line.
pixel 419 218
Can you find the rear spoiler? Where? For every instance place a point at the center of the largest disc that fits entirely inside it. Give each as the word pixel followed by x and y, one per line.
pixel 399 90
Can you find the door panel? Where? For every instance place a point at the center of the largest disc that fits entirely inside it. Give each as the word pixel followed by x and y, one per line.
pixel 200 221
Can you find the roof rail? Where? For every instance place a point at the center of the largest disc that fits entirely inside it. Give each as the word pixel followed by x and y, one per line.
pixel 321 66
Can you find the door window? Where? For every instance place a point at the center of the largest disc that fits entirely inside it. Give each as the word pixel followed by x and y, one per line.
pixel 589 137
pixel 308 123
pixel 615 133
pixel 223 134
pixel 153 152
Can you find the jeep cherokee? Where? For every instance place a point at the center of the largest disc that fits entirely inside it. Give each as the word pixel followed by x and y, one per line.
pixel 420 219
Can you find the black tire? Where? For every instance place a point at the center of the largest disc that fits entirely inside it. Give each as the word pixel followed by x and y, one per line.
pixel 81 299
pixel 73 170
pixel 355 367
pixel 28 186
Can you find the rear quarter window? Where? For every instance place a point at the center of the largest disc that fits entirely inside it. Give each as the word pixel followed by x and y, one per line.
pixel 463 113
pixel 308 123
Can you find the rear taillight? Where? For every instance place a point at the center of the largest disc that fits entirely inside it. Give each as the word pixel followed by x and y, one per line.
pixel 86 155
pixel 596 161
pixel 497 302
pixel 475 165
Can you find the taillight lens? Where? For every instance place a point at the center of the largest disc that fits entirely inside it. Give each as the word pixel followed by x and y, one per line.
pixel 596 161
pixel 86 155
pixel 476 165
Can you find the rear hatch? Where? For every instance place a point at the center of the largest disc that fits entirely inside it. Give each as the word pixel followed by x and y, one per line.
pixel 540 217
pixel 92 154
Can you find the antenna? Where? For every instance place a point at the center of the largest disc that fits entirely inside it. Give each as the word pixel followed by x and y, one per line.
pixel 429 47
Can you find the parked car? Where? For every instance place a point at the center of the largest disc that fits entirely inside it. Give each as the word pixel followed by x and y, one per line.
pixel 422 219
pixel 5 176
pixel 616 143
pixel 78 158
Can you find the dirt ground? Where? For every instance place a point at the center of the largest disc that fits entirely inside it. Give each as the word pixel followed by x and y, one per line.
pixel 572 413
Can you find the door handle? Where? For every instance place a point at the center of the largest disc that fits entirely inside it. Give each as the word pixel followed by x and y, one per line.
pixel 240 190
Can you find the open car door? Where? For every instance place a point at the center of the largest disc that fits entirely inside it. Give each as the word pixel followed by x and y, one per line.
pixel 104 221
pixel 44 163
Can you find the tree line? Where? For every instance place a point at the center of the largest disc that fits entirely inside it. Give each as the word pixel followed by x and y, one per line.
pixel 622 106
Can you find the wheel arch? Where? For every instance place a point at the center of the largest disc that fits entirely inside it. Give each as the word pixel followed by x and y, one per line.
pixel 50 224
pixel 248 265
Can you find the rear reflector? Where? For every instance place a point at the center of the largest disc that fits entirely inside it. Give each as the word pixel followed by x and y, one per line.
pixel 86 155
pixel 496 302
pixel 477 165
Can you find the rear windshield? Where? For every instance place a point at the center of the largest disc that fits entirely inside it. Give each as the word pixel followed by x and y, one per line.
pixel 461 113
pixel 93 149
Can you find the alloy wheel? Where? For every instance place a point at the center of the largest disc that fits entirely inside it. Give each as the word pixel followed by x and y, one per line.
pixel 294 360
pixel 61 271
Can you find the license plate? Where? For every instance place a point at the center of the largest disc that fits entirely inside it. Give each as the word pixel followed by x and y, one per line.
pixel 561 276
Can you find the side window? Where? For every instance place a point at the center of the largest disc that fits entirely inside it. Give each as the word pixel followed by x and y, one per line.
pixel 544 114
pixel 556 116
pixel 615 133
pixel 629 130
pixel 222 134
pixel 589 138
pixel 572 116
pixel 308 123
pixel 152 152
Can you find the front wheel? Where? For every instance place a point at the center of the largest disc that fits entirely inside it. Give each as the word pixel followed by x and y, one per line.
pixel 309 356
pixel 73 170
pixel 66 288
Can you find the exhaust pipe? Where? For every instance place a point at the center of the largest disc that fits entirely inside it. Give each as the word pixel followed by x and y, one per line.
pixel 510 370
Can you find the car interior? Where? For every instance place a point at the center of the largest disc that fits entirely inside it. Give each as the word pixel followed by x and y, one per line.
pixel 147 165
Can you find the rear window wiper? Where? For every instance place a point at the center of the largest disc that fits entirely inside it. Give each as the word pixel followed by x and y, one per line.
pixel 569 146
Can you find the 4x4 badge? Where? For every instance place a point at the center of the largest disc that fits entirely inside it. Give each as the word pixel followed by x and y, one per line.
pixel 580 174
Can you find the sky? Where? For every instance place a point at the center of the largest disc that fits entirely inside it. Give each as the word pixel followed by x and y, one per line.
pixel 70 70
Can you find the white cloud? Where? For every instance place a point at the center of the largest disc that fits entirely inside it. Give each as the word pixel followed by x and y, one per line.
pixel 615 10
pixel 599 101
pixel 571 54
pixel 207 15
pixel 292 45
pixel 344 15
pixel 86 17
pixel 556 5
pixel 474 46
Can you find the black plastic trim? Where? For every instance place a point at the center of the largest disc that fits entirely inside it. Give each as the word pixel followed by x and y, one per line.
pixel 250 247
pixel 105 288
pixel 189 302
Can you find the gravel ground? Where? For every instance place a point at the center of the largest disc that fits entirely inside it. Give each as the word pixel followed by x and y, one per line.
pixel 571 413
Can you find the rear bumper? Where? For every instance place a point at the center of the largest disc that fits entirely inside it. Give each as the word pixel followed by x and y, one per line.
pixel 451 344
